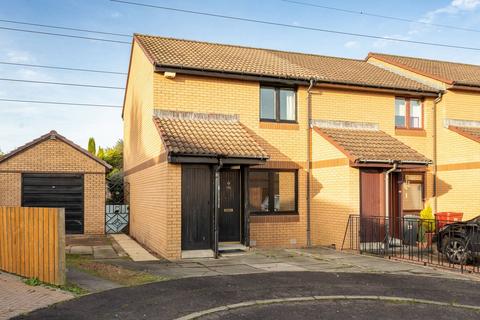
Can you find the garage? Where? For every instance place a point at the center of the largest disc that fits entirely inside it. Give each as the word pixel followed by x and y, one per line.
pixel 56 191
pixel 54 172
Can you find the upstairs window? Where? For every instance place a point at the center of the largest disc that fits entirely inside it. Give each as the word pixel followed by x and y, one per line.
pixel 408 113
pixel 278 104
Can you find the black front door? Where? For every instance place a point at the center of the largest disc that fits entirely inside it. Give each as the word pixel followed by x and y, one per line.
pixel 196 207
pixel 229 215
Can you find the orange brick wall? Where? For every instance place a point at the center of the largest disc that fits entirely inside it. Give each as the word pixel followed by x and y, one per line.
pixel 54 156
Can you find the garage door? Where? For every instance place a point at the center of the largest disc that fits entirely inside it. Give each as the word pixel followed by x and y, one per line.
pixel 56 191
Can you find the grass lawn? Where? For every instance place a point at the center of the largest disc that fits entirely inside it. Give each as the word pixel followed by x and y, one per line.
pixel 110 272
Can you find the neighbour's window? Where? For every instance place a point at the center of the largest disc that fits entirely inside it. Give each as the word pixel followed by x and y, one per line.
pixel 278 104
pixel 412 192
pixel 273 191
pixel 408 113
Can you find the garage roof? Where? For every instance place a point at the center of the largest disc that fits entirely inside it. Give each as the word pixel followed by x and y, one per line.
pixel 53 135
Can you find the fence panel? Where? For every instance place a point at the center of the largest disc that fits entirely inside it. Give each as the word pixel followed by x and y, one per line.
pixel 32 243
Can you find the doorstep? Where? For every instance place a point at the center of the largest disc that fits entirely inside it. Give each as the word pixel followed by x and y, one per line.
pixel 195 254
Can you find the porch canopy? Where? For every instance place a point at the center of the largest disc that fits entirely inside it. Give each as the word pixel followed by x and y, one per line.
pixel 365 144
pixel 467 128
pixel 191 137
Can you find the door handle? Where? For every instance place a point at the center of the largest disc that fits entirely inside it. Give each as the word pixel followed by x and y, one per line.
pixel 228 210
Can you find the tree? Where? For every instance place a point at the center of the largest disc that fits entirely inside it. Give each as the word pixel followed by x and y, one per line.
pixel 114 155
pixel 92 148
pixel 1 153
pixel 100 153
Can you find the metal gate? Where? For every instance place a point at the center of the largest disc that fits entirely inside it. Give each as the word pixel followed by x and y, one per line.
pixel 116 218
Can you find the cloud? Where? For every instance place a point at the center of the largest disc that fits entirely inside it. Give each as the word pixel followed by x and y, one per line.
pixel 351 44
pixel 456 6
pixel 382 43
pixel 115 15
pixel 19 56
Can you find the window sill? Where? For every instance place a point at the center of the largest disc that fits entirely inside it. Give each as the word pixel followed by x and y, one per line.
pixel 279 125
pixel 274 218
pixel 414 132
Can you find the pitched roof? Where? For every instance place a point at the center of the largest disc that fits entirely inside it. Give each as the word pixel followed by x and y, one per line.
pixel 367 143
pixel 469 132
pixel 53 135
pixel 206 135
pixel 445 71
pixel 204 56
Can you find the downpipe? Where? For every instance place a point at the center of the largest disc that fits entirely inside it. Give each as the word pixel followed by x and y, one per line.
pixel 309 159
pixel 435 155
pixel 387 205
pixel 217 205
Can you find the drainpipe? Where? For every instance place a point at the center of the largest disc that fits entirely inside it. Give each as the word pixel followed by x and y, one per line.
pixel 387 204
pixel 435 141
pixel 217 205
pixel 309 157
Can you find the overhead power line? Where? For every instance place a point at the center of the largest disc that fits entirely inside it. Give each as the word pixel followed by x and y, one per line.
pixel 62 84
pixel 370 14
pixel 60 68
pixel 66 28
pixel 279 24
pixel 64 35
pixel 62 103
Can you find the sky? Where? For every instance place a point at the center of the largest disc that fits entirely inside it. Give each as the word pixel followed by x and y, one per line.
pixel 23 122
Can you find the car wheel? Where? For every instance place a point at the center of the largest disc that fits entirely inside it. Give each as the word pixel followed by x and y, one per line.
pixel 456 250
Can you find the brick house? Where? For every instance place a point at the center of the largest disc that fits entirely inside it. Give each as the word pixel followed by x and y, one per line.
pixel 52 171
pixel 235 145
pixel 457 127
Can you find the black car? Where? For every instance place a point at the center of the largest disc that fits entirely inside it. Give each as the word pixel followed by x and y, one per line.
pixel 460 241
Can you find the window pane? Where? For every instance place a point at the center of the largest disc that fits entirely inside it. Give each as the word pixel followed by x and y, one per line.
pixel 415 113
pixel 287 105
pixel 412 196
pixel 400 112
pixel 284 184
pixel 258 191
pixel 267 103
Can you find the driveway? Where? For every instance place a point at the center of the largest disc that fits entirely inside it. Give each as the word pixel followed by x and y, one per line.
pixel 306 295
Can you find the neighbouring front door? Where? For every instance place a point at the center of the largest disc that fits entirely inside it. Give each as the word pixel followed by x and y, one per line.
pixel 372 210
pixel 196 207
pixel 229 215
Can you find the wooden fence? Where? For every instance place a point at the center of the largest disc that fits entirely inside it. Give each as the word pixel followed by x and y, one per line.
pixel 32 243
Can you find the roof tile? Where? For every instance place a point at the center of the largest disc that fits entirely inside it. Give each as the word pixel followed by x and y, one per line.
pixel 273 63
pixel 207 135
pixel 450 72
pixel 360 144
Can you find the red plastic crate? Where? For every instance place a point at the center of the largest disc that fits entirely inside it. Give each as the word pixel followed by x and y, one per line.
pixel 444 218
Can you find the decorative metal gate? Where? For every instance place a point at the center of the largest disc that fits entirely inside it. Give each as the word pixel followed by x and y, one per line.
pixel 116 218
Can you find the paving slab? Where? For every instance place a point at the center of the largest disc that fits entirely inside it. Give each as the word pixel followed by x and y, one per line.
pixel 133 249
pixel 104 252
pixel 277 267
pixel 82 250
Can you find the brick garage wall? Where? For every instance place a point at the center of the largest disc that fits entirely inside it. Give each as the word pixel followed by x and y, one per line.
pixel 55 156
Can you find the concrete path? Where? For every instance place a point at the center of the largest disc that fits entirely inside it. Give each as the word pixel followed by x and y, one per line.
pixel 89 282
pixel 336 295
pixel 262 261
pixel 132 248
pixel 16 297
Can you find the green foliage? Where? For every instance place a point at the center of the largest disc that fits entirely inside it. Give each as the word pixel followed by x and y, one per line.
pixel 33 282
pixel 92 148
pixel 100 153
pixel 116 187
pixel 428 220
pixel 114 155
pixel 1 153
